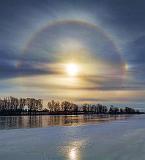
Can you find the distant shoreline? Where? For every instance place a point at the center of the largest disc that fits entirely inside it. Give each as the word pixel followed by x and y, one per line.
pixel 42 113
pixel 12 106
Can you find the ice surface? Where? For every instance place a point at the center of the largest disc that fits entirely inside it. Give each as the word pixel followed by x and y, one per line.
pixel 115 140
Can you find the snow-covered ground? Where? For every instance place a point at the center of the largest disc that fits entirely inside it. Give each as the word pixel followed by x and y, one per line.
pixel 112 140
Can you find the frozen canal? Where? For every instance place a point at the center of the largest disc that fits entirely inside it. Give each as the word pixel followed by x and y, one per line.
pixel 72 138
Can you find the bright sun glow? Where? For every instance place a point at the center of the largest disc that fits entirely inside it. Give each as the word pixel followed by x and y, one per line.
pixel 73 154
pixel 72 69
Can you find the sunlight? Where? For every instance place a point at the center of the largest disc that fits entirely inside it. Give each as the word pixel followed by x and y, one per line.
pixel 73 154
pixel 74 150
pixel 72 69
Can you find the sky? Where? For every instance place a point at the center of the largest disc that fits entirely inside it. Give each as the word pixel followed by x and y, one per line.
pixel 79 50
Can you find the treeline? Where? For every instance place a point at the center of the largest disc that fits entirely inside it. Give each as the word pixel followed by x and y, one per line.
pixel 26 106
pixel 55 107
pixel 18 106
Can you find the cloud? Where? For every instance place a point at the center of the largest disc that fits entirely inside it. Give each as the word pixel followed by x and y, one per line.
pixel 135 51
pixel 12 69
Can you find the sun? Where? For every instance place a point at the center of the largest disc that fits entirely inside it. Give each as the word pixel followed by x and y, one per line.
pixel 72 69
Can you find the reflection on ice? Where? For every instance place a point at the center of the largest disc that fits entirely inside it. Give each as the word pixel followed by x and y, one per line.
pixel 11 122
pixel 73 154
pixel 74 150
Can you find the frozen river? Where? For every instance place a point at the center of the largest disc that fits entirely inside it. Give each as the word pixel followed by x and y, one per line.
pixel 72 138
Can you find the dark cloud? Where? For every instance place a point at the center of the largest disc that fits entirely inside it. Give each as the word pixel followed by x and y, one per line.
pixel 10 69
pixel 136 51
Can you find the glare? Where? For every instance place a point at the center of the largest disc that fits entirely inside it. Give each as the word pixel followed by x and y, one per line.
pixel 72 69
pixel 73 154
pixel 126 66
pixel 74 150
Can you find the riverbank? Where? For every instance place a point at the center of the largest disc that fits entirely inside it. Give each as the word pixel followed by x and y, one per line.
pixel 31 113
